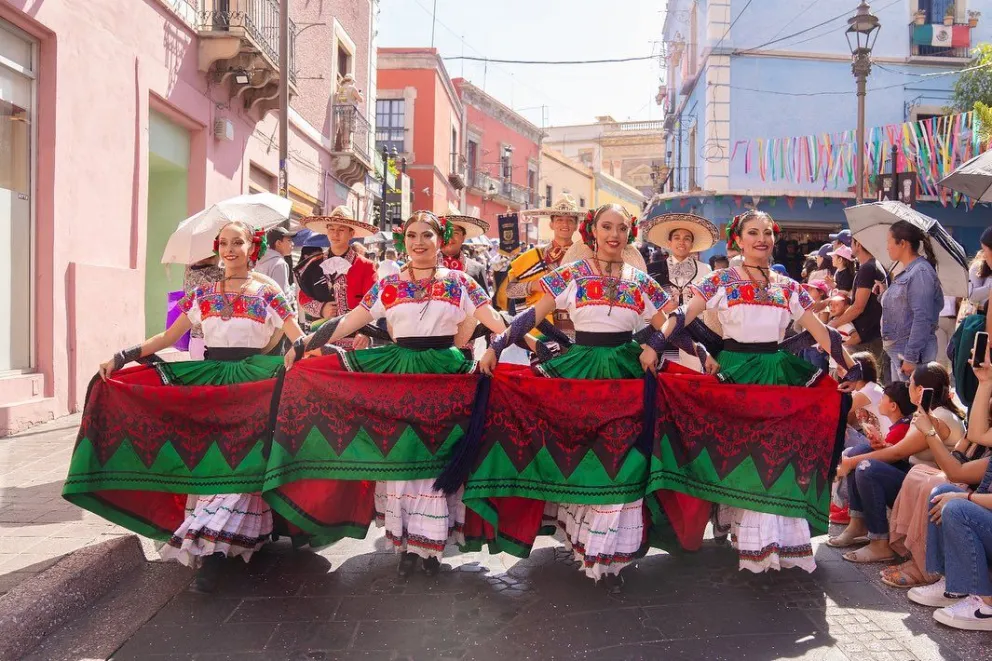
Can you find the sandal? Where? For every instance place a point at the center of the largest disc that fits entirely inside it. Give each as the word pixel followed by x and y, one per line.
pixel 863 556
pixel 898 577
pixel 843 540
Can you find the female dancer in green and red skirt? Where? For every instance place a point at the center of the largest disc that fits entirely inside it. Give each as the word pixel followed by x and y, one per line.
pixel 424 305
pixel 603 285
pixel 241 317
pixel 755 306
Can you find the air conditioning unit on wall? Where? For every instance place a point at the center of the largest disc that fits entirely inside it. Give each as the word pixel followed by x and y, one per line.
pixel 223 129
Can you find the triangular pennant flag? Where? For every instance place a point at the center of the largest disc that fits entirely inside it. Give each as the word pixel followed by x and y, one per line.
pixel 755 200
pixel 683 201
pixel 809 202
pixel 738 200
pixel 668 205
pixel 826 201
pixel 702 201
pixel 772 201
pixel 718 199
pixel 791 201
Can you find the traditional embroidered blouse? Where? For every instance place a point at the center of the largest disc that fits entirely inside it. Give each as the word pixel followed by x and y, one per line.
pixel 257 312
pixel 751 313
pixel 576 287
pixel 438 310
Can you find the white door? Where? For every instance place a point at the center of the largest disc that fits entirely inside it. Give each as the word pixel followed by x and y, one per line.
pixel 17 61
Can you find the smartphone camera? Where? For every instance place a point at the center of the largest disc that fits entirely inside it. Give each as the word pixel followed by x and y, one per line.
pixel 981 348
pixel 926 401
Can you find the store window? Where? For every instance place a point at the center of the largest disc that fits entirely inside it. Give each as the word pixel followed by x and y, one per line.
pixel 18 70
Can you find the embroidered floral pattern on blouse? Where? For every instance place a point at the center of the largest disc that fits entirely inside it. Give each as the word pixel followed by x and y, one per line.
pixel 450 288
pixel 593 289
pixel 246 305
pixel 745 292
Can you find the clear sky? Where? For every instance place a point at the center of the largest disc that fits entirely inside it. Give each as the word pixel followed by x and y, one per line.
pixel 542 30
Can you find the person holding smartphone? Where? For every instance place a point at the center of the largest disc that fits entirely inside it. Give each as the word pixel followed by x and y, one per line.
pixel 876 476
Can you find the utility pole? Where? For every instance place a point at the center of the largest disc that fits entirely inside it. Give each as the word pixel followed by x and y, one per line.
pixel 284 69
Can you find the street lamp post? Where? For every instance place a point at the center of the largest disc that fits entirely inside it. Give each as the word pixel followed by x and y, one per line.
pixel 862 31
pixel 383 222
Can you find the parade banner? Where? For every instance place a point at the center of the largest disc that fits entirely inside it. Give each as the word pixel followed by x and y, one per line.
pixel 509 233
pixel 143 445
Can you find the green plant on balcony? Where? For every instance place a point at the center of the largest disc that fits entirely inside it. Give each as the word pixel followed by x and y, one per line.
pixel 919 17
pixel 949 15
pixel 973 18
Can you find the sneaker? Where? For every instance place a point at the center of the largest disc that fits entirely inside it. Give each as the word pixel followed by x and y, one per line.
pixel 840 515
pixel 970 613
pixel 934 595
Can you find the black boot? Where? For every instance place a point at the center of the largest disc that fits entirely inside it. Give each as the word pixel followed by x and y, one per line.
pixel 432 566
pixel 613 583
pixel 408 564
pixel 205 581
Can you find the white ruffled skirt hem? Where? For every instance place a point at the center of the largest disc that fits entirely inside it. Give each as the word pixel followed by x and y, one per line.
pixel 418 519
pixel 603 538
pixel 236 525
pixel 768 541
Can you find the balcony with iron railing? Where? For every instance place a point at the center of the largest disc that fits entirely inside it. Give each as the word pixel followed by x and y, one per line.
pixel 494 188
pixel 239 43
pixel 456 172
pixel 350 156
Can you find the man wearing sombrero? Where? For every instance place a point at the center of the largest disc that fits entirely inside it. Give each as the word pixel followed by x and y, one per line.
pixel 526 271
pixel 682 234
pixel 465 227
pixel 333 281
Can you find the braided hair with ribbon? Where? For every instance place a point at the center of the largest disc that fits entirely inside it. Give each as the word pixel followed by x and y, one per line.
pixel 443 227
pixel 587 223
pixel 736 226
pixel 255 236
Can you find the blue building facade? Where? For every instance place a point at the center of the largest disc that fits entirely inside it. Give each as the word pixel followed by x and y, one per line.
pixel 740 71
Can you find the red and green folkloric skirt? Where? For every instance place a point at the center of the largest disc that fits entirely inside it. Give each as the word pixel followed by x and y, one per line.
pixel 332 433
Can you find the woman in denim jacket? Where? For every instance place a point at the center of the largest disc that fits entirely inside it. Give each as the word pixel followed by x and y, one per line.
pixel 912 303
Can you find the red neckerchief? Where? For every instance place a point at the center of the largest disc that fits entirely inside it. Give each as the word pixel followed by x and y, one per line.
pixel 554 253
pixel 453 263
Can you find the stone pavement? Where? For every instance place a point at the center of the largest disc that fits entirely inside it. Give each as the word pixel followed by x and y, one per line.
pixel 346 603
pixel 37 527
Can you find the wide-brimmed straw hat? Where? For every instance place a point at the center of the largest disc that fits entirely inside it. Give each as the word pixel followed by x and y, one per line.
pixel 564 206
pixel 473 226
pixel 339 216
pixel 658 230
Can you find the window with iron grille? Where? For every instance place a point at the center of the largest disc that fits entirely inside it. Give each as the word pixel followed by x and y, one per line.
pixel 390 122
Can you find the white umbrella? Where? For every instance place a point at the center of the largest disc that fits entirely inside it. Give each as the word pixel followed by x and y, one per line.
pixel 870 224
pixel 193 239
pixel 379 237
pixel 973 178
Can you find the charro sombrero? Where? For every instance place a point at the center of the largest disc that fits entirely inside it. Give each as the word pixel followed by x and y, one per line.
pixel 564 206
pixel 657 230
pixel 473 226
pixel 339 216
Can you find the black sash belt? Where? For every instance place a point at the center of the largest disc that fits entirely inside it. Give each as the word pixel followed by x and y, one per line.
pixel 750 347
pixel 589 339
pixel 230 354
pixel 425 343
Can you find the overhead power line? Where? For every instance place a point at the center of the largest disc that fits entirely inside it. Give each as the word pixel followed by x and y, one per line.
pixel 501 61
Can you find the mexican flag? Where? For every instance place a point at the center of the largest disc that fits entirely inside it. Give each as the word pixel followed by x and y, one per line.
pixel 946 36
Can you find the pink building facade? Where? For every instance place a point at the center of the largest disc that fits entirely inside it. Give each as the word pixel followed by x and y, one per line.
pixel 502 157
pixel 117 124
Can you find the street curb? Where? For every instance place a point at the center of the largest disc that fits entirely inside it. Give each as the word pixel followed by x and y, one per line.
pixel 43 603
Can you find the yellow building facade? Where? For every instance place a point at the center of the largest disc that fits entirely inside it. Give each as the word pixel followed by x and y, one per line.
pixel 560 174
pixel 609 190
